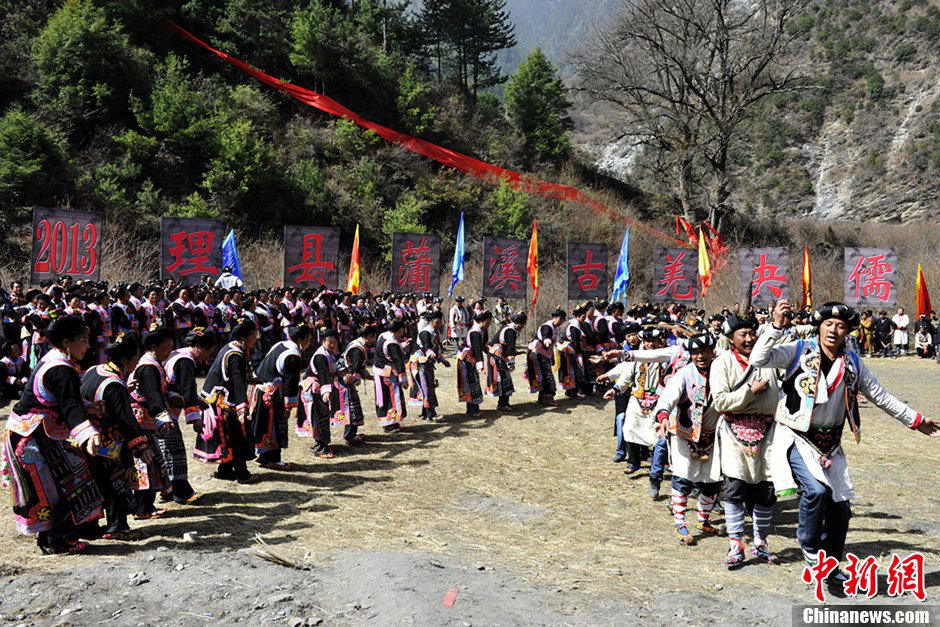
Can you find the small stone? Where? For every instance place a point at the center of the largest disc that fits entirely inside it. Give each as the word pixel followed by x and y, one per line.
pixel 70 610
pixel 295 621
pixel 481 567
pixel 282 598
pixel 281 614
pixel 260 606
pixel 151 558
pixel 190 536
pixel 161 549
pixel 718 586
pixel 180 567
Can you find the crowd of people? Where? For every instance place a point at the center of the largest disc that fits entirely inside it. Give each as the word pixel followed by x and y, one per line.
pixel 740 406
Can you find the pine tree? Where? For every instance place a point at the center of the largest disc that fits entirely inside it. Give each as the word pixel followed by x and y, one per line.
pixel 537 107
pixel 463 37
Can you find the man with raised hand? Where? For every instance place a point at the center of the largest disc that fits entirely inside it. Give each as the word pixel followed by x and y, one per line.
pixel 819 396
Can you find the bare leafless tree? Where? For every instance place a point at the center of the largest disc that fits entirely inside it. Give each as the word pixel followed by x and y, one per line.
pixel 687 75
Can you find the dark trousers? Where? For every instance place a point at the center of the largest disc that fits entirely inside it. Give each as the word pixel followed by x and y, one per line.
pixel 823 523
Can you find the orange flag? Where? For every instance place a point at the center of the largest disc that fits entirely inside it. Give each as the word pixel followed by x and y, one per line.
pixel 923 296
pixel 352 284
pixel 704 265
pixel 807 279
pixel 532 265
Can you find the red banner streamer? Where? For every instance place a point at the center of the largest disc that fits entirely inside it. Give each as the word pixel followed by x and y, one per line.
pixel 468 165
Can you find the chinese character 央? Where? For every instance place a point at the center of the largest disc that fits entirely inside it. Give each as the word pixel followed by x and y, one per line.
pixel 906 575
pixel 586 272
pixel 312 266
pixel 198 245
pixel 414 268
pixel 868 278
pixel 818 573
pixel 767 275
pixel 674 277
pixel 863 576
pixel 505 271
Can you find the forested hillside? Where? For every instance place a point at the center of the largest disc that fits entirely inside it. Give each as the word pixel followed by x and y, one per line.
pixel 103 108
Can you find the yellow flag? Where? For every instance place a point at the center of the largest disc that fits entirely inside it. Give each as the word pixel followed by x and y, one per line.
pixel 352 285
pixel 704 265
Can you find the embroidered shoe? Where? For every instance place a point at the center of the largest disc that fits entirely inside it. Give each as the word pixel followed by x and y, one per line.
pixel 763 554
pixel 685 536
pixel 735 558
pixel 631 468
pixel 707 528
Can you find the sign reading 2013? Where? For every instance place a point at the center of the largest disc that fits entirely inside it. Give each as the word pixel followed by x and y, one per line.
pixel 65 242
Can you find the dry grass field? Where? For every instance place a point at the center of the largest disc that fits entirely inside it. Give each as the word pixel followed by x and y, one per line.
pixel 533 493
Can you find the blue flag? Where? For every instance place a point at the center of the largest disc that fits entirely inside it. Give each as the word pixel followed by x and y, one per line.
pixel 230 254
pixel 457 272
pixel 622 278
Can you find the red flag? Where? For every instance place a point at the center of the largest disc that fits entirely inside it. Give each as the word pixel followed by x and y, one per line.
pixel 532 265
pixel 923 296
pixel 684 226
pixel 469 165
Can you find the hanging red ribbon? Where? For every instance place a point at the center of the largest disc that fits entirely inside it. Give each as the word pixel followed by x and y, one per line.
pixel 468 165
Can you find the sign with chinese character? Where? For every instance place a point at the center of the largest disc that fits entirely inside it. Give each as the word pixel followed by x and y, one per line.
pixel 190 248
pixel 870 277
pixel 416 263
pixel 675 275
pixel 65 242
pixel 587 271
pixel 766 272
pixel 311 256
pixel 504 267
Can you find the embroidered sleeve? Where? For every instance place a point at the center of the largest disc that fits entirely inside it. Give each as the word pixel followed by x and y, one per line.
pixel 869 386
pixel 767 355
pixel 658 355
pixel 671 395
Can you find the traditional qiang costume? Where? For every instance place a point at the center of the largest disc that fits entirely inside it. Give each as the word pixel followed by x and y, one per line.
pixel 54 492
pixel 223 438
pixel 182 319
pixel 109 408
pixel 470 364
pixel 685 409
pixel 540 359
pixel 421 368
pixel 354 364
pixel 671 359
pixel 458 319
pixel 569 357
pixel 820 396
pixel 272 398
pixel 638 386
pixel 745 431
pixel 502 362
pixel 320 396
pixel 148 389
pixel 389 373
pixel 180 372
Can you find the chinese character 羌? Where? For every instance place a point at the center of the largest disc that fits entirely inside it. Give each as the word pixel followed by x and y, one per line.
pixel 673 279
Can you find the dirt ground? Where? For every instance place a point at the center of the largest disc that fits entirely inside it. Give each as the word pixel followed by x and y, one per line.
pixel 517 518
